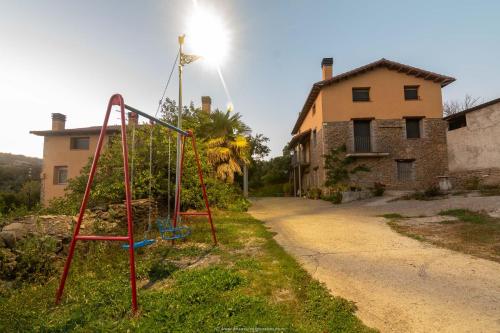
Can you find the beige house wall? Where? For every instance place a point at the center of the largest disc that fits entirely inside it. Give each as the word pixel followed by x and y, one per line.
pixel 57 152
pixel 386 97
pixel 313 121
pixel 476 146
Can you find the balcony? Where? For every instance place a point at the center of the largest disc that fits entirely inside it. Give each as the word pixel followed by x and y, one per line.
pixel 302 160
pixel 363 148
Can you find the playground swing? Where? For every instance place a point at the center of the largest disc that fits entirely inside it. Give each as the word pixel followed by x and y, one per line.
pixel 146 241
pixel 164 225
pixel 117 100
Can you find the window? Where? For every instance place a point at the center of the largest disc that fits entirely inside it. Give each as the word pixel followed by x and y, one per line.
pixel 314 109
pixel 411 93
pixel 413 128
pixel 405 170
pixel 80 143
pixel 360 94
pixel 457 122
pixel 60 175
pixel 314 139
pixel 362 136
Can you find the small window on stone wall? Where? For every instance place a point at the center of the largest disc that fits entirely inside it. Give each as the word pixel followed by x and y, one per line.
pixel 314 138
pixel 405 170
pixel 413 128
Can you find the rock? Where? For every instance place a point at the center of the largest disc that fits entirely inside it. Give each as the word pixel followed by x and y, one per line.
pixel 20 230
pixel 9 238
pixel 2 243
pixel 495 213
pixel 7 264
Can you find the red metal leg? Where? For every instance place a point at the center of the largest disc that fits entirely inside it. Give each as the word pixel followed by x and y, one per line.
pixel 128 197
pixel 203 188
pixel 114 100
pixel 85 199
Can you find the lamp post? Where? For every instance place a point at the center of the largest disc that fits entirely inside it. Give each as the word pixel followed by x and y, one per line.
pixel 184 59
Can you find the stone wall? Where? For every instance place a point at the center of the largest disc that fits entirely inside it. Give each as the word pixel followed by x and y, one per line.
pixel 472 179
pixel 387 136
pixel 473 150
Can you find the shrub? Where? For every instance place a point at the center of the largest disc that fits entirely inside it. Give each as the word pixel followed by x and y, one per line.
pixel 314 193
pixel 287 189
pixel 334 197
pixel 378 189
pixel 35 260
pixel 269 190
pixel 432 191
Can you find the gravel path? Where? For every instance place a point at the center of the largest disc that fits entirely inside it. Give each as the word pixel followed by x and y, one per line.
pixel 399 284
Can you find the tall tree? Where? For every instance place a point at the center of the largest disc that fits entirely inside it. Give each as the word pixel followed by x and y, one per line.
pixel 227 145
pixel 455 106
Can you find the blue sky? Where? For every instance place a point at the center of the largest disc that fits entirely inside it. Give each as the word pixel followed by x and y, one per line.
pixel 70 56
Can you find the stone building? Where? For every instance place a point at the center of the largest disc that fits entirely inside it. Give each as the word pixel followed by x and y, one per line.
pixel 474 145
pixel 388 116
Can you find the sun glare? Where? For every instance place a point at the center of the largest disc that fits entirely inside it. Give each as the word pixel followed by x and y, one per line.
pixel 207 35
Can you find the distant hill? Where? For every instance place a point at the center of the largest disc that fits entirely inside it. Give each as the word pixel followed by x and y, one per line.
pixel 19 160
pixel 15 170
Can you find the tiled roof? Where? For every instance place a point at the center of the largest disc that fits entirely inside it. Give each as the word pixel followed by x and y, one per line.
pixel 392 65
pixel 77 131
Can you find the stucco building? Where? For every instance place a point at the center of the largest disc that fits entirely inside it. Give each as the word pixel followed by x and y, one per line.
pixel 474 145
pixel 65 152
pixel 389 117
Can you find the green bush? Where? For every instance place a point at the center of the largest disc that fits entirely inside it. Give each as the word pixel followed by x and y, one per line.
pixel 269 190
pixel 334 197
pixel 35 258
pixel 314 193
pixel 378 189
pixel 287 189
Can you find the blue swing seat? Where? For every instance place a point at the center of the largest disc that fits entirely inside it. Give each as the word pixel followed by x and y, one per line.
pixel 169 232
pixel 142 243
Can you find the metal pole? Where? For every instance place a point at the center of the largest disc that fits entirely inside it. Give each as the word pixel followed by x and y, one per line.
pixel 179 125
pixel 245 180
pixel 300 171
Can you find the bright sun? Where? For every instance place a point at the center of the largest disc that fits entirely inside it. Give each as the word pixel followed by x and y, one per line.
pixel 207 35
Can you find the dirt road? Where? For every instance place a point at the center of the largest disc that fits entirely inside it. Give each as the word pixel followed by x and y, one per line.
pixel 399 284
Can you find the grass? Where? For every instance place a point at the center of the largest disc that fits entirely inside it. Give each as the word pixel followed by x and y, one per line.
pixel 247 282
pixel 474 233
pixel 468 216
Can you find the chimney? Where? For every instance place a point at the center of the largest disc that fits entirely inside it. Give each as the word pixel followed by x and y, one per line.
pixel 206 104
pixel 58 122
pixel 327 68
pixel 133 118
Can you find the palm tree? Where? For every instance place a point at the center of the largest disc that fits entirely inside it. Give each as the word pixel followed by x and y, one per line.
pixel 228 147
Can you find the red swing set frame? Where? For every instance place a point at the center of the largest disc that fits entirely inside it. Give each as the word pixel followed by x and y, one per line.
pixel 117 99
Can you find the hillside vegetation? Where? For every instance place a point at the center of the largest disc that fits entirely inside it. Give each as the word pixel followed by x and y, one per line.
pixel 19 182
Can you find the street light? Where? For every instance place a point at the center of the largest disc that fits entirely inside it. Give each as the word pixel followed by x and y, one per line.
pixel 209 40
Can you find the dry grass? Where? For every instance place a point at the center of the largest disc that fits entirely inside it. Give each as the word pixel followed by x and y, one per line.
pixel 474 233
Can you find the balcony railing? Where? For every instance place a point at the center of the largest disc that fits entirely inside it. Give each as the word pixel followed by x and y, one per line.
pixel 299 159
pixel 362 144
